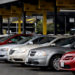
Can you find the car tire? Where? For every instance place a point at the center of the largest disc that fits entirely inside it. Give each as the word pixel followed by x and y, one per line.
pixel 6 61
pixel 23 64
pixel 54 62
pixel 43 68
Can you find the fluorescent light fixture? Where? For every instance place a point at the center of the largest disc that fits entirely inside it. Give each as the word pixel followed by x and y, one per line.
pixel 6 1
pixel 67 10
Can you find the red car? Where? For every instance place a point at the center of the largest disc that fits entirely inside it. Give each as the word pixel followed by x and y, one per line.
pixel 67 61
pixel 13 38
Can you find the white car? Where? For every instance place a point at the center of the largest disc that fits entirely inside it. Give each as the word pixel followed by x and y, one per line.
pixel 4 52
pixel 5 49
pixel 19 53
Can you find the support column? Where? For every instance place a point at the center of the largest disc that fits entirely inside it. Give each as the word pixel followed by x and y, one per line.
pixel 1 27
pixel 44 23
pixel 55 18
pixel 65 24
pixel 24 19
pixel 19 25
pixel 8 25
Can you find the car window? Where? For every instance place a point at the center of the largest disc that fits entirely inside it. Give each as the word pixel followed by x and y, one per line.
pixel 36 41
pixel 45 40
pixel 5 38
pixel 42 40
pixel 25 39
pixel 18 39
pixel 64 41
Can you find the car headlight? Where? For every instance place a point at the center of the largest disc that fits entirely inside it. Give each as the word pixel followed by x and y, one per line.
pixel 4 49
pixel 69 58
pixel 41 53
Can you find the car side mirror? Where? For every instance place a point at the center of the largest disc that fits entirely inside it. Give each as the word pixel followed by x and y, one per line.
pixel 31 43
pixel 53 44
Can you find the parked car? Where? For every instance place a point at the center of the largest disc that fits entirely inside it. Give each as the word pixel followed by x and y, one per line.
pixel 67 62
pixel 48 56
pixel 19 54
pixel 4 49
pixel 12 39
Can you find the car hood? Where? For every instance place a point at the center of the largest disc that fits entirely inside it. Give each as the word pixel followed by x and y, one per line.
pixel 54 49
pixel 25 47
pixel 8 46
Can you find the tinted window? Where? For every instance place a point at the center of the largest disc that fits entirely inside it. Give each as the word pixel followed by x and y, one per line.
pixel 64 41
pixel 5 38
pixel 20 39
pixel 42 40
pixel 24 40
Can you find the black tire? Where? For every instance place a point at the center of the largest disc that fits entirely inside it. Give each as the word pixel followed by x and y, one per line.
pixel 54 62
pixel 23 64
pixel 43 68
pixel 6 61
pixel 73 72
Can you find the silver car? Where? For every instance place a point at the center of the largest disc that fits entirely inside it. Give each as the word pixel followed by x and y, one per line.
pixel 49 56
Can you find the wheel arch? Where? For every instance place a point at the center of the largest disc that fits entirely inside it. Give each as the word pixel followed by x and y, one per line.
pixel 55 54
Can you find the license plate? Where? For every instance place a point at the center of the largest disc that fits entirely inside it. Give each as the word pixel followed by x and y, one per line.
pixel 62 64
pixel 26 60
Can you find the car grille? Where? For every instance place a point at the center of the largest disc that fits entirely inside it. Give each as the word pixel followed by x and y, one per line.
pixel 18 59
pixel 2 55
pixel 66 67
pixel 11 52
pixel 32 53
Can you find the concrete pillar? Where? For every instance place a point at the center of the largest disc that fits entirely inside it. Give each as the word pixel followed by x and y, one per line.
pixel 8 25
pixel 19 25
pixel 1 27
pixel 24 19
pixel 44 23
pixel 55 18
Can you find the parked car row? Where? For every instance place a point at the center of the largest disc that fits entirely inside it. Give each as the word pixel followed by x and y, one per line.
pixel 39 50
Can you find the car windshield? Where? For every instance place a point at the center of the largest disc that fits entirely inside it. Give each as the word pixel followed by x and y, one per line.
pixel 64 41
pixel 25 39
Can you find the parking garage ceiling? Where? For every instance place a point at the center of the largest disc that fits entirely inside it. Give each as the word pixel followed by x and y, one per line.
pixel 48 5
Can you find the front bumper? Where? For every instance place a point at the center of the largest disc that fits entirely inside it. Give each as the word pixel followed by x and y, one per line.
pixel 4 56
pixel 36 61
pixel 67 65
pixel 17 58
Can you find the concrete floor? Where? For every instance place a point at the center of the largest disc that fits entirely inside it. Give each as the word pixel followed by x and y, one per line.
pixel 17 69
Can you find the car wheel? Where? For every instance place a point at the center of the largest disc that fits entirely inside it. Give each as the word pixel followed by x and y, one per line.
pixel 55 62
pixel 43 68
pixel 73 72
pixel 23 64
pixel 6 61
